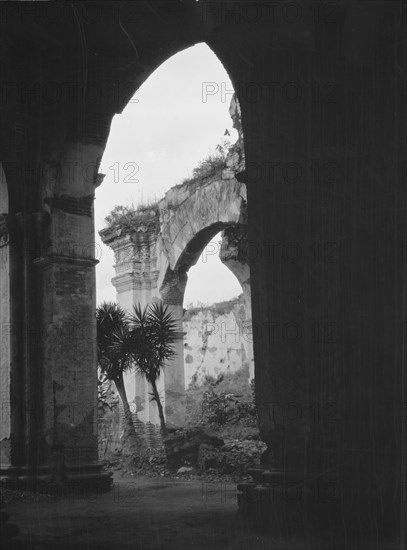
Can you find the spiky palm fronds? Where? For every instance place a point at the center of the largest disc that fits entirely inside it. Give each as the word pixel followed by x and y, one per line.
pixel 151 337
pixel 112 328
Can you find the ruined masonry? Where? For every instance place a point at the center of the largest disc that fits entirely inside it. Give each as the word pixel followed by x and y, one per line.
pixel 155 249
pixel 217 341
pixel 322 95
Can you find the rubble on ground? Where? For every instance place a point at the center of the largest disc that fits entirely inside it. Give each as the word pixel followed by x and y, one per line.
pixel 184 445
pixel 227 461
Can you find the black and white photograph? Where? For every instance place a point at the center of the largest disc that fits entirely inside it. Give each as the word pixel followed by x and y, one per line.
pixel 203 275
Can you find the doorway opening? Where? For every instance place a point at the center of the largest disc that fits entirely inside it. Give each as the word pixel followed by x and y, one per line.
pixel 175 196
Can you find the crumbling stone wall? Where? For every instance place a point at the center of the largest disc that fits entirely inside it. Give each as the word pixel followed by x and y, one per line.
pixel 155 247
pixel 218 339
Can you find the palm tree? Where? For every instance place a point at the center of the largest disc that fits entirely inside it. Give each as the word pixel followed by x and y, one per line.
pixel 149 343
pixel 112 327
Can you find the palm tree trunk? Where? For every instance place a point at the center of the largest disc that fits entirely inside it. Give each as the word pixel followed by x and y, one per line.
pixel 130 438
pixel 160 409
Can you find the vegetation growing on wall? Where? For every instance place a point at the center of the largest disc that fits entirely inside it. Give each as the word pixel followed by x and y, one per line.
pixel 212 164
pixel 126 217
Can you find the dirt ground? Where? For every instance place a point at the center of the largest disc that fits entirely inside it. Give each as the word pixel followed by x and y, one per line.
pixel 142 514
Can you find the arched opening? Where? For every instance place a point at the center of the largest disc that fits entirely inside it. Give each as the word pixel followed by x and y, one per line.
pixel 322 88
pixel 229 348
pixel 157 240
pixel 176 118
pixel 228 314
pixel 217 352
pixel 212 274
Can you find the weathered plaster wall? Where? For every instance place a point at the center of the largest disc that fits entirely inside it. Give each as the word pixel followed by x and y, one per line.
pixel 217 340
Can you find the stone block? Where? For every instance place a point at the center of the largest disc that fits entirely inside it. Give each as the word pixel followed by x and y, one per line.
pixel 183 445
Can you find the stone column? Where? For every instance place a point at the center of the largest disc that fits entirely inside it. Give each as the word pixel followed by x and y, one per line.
pixel 24 458
pixel 64 271
pixel 5 326
pixel 172 293
pixel 68 287
pixel 49 359
pixel 11 427
pixel 135 249
pixel 327 208
pixel 234 254
pixel 5 351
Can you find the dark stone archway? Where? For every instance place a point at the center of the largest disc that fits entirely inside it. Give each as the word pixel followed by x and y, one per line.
pixel 324 118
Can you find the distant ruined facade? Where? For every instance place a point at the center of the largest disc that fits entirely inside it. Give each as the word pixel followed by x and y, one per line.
pixel 218 340
pixel 154 252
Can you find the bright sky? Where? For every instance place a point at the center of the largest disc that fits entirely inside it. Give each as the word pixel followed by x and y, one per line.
pixel 166 129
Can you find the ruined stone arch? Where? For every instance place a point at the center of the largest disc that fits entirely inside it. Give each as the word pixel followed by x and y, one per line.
pixel 186 219
pixel 155 250
pixel 192 214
